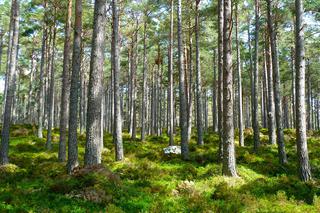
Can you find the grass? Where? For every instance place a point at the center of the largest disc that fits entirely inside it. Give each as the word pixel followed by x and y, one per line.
pixel 148 181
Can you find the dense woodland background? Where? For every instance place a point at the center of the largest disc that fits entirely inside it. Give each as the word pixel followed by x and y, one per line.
pixel 93 91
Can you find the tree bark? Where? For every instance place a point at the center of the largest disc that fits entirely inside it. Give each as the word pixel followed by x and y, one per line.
pixel 214 94
pixel 276 82
pixel 302 149
pixel 255 95
pixel 41 78
pixel 93 139
pixel 198 81
pixel 51 91
pixel 117 134
pixel 144 83
pixel 65 86
pixel 229 160
pixel 170 72
pixel 11 86
pixel 220 75
pixel 240 120
pixel 74 90
pixel 182 94
pixel 271 113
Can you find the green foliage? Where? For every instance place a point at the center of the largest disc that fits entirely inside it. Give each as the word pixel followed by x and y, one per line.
pixel 148 181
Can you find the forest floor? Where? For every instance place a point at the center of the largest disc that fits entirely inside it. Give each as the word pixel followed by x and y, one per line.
pixel 149 181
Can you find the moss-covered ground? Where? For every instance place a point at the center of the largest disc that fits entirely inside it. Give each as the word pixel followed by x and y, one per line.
pixel 148 181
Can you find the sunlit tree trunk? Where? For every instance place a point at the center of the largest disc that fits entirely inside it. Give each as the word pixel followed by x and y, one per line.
pixel 11 86
pixel 229 159
pixel 271 113
pixel 220 75
pixel 117 130
pixel 198 80
pixel 214 94
pixel 144 83
pixel 302 149
pixel 240 120
pixel 170 72
pixel 41 77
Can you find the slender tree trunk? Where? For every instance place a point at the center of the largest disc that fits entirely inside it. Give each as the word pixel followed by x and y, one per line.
pixel 198 80
pixel 65 86
pixel 93 140
pixel 255 95
pixel 309 99
pixel 214 94
pixel 144 83
pixel 41 77
pixel 32 73
pixel 293 89
pixel 11 28
pixel 117 134
pixel 1 47
pixel 182 94
pixel 51 92
pixel 189 67
pixel 276 81
pixel 229 159
pixel 302 149
pixel 170 72
pixel 74 90
pixel 220 74
pixel 250 106
pixel 271 113
pixel 240 120
pixel 11 78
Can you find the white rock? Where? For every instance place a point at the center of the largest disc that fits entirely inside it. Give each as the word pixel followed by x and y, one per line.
pixel 172 150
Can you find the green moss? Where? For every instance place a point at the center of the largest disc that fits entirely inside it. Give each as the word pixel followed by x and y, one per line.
pixel 149 181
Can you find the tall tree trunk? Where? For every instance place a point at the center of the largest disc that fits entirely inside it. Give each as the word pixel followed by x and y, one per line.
pixel 302 149
pixel 74 91
pixel 41 77
pixel 309 99
pixel 11 77
pixel 170 72
pixel 94 140
pixel 255 95
pixel 11 28
pixel 117 130
pixel 220 75
pixel 144 83
pixel 271 113
pixel 214 94
pixel 189 67
pixel 240 120
pixel 182 94
pixel 198 80
pixel 293 88
pixel 229 159
pixel 32 73
pixel 65 86
pixel 51 91
pixel 1 48
pixel 276 82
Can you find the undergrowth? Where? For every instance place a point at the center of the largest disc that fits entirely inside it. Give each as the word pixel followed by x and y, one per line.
pixel 148 181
